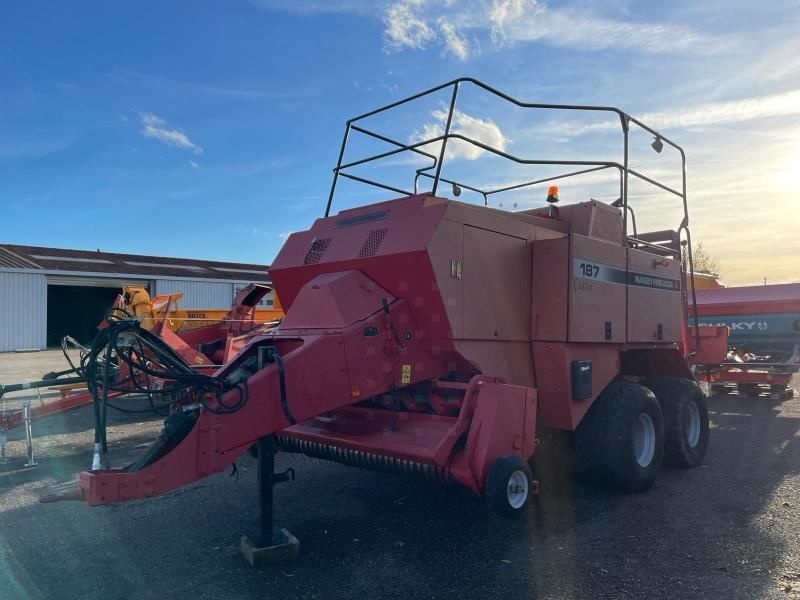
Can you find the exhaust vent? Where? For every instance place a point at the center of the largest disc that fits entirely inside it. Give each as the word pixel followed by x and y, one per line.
pixel 316 251
pixel 373 242
pixel 606 224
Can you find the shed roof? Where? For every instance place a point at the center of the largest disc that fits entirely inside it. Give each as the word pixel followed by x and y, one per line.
pixel 62 259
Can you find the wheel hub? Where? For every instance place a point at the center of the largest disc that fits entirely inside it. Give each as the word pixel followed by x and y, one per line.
pixel 517 490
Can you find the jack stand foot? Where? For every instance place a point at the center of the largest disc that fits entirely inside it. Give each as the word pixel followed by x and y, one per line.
pixel 270 543
pixel 282 546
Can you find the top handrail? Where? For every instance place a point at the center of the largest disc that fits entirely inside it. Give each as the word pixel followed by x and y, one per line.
pixel 626 121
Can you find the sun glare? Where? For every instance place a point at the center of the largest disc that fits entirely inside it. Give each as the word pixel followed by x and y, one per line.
pixel 787 180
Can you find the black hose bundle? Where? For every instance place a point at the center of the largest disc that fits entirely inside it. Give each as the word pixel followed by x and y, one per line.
pixel 122 341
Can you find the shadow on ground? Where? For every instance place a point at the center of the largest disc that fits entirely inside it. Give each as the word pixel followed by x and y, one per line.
pixel 726 530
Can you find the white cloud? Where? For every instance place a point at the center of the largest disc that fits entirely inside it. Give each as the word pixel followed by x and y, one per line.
pixel 194 164
pixel 484 131
pixel 454 42
pixel 156 128
pixel 404 28
pixel 519 21
pixel 503 12
pixel 284 235
pixel 733 111
pixel 417 24
pixel 14 148
pixel 709 114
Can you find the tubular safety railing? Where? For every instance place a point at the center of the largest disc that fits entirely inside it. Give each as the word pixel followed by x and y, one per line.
pixel 587 166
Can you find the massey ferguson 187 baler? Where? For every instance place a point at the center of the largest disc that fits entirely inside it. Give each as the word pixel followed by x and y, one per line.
pixel 426 335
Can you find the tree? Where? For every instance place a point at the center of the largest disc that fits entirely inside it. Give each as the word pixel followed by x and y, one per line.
pixel 704 261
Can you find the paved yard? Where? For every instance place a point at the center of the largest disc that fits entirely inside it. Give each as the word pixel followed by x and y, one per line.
pixel 727 530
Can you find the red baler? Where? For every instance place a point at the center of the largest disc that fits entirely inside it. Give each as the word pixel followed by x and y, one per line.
pixel 431 336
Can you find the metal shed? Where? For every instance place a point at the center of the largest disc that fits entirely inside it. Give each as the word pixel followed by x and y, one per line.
pixel 46 293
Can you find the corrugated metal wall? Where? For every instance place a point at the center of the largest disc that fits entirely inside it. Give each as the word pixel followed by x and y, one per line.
pixel 23 311
pixel 197 294
pixel 23 305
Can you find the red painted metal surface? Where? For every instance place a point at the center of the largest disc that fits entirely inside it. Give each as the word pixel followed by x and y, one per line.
pixel 557 409
pixel 324 370
pixel 713 346
pixel 751 366
pixel 763 299
pixel 754 375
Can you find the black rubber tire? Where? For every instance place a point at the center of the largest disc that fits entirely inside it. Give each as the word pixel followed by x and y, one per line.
pixel 498 481
pixel 674 394
pixel 604 440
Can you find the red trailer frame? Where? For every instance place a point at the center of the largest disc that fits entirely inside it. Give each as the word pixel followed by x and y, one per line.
pixel 750 367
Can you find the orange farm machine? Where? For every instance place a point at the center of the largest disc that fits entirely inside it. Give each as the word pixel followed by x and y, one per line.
pixel 201 346
pixel 436 337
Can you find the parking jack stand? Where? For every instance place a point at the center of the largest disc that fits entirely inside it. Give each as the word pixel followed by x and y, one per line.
pixel 28 418
pixel 271 543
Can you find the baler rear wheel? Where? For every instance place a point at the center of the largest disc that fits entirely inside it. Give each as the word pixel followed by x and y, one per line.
pixel 685 420
pixel 620 441
pixel 508 485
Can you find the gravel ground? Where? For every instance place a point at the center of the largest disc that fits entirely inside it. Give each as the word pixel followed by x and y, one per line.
pixel 730 529
pixel 21 367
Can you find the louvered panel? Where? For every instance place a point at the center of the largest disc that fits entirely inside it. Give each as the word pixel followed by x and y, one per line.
pixel 373 242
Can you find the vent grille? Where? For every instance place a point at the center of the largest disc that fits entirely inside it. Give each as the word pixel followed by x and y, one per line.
pixel 373 242
pixel 316 251
pixel 606 225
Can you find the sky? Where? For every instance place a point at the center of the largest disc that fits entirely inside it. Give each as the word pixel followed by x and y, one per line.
pixel 210 129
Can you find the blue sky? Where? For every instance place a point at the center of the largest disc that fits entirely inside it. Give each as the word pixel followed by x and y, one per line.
pixel 209 129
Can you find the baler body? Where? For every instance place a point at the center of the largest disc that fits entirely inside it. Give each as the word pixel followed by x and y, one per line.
pixel 433 336
pixel 440 337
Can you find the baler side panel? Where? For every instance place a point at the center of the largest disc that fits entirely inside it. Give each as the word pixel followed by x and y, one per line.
pixel 496 286
pixel 654 298
pixel 446 256
pixel 550 290
pixel 510 361
pixel 597 301
pixel 655 362
pixel 392 355
pixel 553 379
